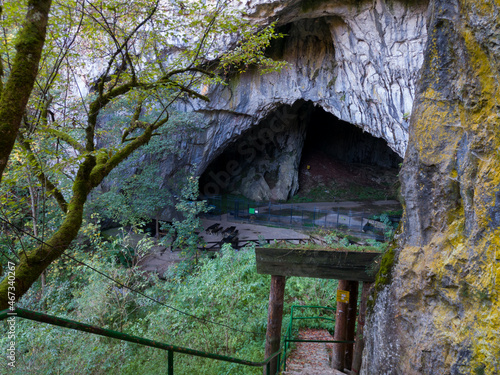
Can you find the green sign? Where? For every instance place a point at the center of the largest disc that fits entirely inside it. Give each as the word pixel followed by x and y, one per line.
pixel 251 211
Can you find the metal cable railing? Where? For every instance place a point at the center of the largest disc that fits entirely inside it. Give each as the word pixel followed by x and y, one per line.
pixel 288 337
pixel 66 323
pixel 171 349
pixel 120 284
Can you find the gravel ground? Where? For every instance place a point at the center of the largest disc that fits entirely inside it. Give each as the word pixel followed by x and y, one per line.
pixel 311 358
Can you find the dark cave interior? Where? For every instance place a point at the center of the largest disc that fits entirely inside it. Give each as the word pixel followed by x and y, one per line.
pixel 296 149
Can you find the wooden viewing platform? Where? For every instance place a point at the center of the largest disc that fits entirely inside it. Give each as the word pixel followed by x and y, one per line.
pixel 321 264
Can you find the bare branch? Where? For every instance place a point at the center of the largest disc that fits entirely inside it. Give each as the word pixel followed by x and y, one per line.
pixel 124 46
pixel 63 52
pixel 191 93
pixel 167 76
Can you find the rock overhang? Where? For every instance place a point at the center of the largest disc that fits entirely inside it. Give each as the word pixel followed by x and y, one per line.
pixel 358 60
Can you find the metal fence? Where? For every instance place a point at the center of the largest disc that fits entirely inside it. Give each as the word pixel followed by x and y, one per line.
pixel 36 316
pixel 290 215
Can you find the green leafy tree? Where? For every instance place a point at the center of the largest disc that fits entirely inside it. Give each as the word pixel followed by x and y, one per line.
pixel 186 231
pixel 137 190
pixel 225 290
pixel 65 136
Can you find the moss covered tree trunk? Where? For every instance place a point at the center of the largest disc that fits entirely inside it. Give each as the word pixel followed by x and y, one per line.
pixel 91 171
pixel 97 162
pixel 17 90
pixel 33 263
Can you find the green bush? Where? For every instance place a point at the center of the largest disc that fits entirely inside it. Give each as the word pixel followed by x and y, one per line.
pixel 224 290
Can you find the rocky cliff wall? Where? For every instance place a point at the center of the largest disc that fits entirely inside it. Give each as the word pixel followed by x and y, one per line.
pixel 264 164
pixel 440 314
pixel 358 60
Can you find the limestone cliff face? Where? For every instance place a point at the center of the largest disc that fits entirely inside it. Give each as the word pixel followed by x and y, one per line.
pixel 358 60
pixel 263 165
pixel 440 314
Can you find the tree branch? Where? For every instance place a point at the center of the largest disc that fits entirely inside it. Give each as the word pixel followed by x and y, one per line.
pixel 95 108
pixel 190 92
pixel 42 177
pixel 134 122
pixel 122 47
pixel 167 76
pixel 65 137
pixel 33 263
pixel 103 168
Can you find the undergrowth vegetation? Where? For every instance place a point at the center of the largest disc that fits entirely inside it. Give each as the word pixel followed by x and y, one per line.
pixel 338 244
pixel 225 290
pixel 335 193
pixel 333 240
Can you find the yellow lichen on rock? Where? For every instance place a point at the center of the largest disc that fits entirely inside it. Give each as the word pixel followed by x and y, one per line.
pixel 444 301
pixel 484 318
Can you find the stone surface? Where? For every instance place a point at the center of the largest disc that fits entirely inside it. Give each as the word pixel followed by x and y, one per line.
pixel 440 314
pixel 361 61
pixel 263 164
pixel 309 358
pixel 358 60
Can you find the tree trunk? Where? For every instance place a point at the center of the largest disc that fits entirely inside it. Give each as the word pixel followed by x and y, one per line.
pixel 16 93
pixel 33 263
pixel 274 319
pixel 90 174
pixel 34 213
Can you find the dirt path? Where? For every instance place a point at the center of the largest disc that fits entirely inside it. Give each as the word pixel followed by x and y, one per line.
pixel 159 260
pixel 250 231
pixel 311 358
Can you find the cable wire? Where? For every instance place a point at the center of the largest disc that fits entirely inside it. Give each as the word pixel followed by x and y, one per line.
pixel 129 287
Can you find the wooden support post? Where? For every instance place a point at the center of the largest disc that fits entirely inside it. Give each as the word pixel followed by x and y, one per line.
pixel 338 353
pixel 274 319
pixel 351 322
pixel 360 342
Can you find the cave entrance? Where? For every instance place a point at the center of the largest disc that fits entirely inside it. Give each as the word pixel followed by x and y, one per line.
pixel 303 153
pixel 340 161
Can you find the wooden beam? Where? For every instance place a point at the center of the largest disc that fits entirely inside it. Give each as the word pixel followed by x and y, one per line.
pixel 351 322
pixel 338 353
pixel 274 319
pixel 360 342
pixel 323 264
